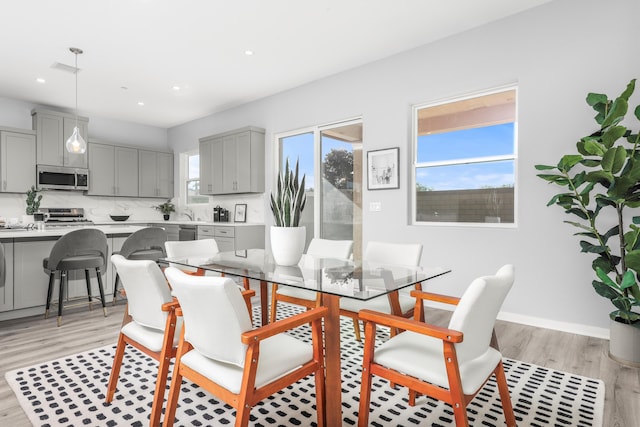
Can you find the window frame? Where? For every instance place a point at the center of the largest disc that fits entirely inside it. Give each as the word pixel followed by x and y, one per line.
pixel 485 159
pixel 185 180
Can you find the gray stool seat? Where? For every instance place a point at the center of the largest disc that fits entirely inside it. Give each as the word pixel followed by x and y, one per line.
pixel 82 249
pixel 79 262
pixel 144 244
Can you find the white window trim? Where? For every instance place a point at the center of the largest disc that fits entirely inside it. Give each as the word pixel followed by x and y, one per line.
pixel 416 164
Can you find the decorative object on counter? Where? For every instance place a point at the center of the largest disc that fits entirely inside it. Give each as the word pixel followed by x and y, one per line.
pixel 220 214
pixel 605 182
pixel 75 143
pixel 119 217
pixel 33 200
pixel 240 214
pixel 288 238
pixel 166 208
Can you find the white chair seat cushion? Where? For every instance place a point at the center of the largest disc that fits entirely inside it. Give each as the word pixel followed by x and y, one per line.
pixel 149 337
pixel 274 362
pixel 421 356
pixel 379 304
pixel 296 293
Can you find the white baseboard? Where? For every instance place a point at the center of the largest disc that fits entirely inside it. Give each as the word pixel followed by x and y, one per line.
pixel 573 328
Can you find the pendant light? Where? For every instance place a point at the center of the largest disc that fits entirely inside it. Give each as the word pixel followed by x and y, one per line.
pixel 76 144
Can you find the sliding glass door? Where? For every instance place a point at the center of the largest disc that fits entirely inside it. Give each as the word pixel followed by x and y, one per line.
pixel 331 158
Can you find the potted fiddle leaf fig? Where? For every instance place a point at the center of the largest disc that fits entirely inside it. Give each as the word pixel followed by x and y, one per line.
pixel 288 238
pixel 601 190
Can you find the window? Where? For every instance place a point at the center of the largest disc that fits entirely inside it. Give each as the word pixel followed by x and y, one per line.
pixel 465 159
pixel 331 158
pixel 192 179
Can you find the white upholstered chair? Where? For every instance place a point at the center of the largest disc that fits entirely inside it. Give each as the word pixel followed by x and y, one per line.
pixel 193 249
pixel 220 352
pixel 153 328
pixel 405 254
pixel 449 364
pixel 322 248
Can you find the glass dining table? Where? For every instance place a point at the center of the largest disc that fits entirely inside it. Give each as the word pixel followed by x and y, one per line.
pixel 333 278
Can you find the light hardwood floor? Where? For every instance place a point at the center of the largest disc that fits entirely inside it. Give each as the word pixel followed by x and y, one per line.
pixel 27 341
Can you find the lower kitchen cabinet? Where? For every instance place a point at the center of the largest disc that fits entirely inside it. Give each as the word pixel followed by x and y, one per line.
pixel 6 276
pixel 31 281
pixel 234 237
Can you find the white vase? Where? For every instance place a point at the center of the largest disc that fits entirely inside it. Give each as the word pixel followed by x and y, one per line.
pixel 27 219
pixel 624 343
pixel 287 244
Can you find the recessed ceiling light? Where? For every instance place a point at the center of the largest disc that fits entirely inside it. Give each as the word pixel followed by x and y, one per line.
pixel 140 103
pixel 41 80
pixel 176 88
pixel 248 52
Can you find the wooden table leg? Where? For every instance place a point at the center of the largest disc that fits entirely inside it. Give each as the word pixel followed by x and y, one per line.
pixel 264 302
pixel 332 360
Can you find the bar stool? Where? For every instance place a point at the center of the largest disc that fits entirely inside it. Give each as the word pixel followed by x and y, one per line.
pixel 77 250
pixel 144 244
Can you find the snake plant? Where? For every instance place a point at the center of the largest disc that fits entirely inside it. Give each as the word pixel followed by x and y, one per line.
pixel 289 199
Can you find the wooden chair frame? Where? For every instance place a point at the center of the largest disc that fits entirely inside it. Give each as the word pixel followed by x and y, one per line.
pixel 454 395
pixel 250 395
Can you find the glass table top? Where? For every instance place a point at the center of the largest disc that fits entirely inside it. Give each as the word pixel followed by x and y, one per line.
pixel 346 278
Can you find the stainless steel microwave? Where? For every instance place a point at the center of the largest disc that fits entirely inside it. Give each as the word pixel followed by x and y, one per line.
pixel 62 178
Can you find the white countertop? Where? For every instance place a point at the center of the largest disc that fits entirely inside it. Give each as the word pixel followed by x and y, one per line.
pixel 59 231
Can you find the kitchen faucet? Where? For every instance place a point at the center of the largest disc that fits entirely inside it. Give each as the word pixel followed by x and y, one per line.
pixel 188 213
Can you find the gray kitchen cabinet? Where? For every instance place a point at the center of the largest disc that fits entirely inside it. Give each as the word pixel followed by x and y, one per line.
pixel 17 160
pixel 52 131
pixel 231 237
pixel 233 162
pixel 155 172
pixel 6 275
pixel 113 170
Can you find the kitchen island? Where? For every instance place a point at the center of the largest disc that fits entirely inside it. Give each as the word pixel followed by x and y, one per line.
pixel 23 291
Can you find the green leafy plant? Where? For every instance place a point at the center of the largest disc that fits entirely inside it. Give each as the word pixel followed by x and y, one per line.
pixel 33 200
pixel 600 181
pixel 166 208
pixel 289 199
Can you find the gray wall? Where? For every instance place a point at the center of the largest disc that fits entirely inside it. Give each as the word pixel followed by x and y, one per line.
pixel 556 53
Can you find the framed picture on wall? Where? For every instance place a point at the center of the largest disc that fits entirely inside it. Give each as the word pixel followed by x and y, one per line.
pixel 240 214
pixel 382 169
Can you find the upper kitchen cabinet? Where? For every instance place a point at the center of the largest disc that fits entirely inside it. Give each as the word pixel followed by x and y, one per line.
pixel 155 174
pixel 17 160
pixel 113 170
pixel 232 162
pixel 52 130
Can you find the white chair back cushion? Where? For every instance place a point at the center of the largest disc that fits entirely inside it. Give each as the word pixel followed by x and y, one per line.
pixel 407 254
pixel 476 313
pixel 214 315
pixel 330 248
pixel 146 289
pixel 204 248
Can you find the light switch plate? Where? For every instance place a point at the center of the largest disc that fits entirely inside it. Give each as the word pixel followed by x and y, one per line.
pixel 375 206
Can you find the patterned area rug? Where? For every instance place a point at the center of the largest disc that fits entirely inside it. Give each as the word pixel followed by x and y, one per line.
pixel 70 392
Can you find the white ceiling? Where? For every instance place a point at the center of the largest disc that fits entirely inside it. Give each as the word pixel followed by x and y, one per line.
pixel 149 46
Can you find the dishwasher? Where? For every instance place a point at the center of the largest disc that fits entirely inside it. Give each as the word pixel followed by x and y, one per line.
pixel 187 232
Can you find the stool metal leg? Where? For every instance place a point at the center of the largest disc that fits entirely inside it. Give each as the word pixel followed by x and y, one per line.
pixel 88 280
pixel 115 289
pixel 101 288
pixel 52 278
pixel 63 284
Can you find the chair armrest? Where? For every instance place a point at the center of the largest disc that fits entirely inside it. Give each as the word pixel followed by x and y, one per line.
pixel 410 325
pixel 283 325
pixel 170 305
pixel 446 299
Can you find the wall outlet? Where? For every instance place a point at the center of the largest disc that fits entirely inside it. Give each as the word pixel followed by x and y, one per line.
pixel 375 206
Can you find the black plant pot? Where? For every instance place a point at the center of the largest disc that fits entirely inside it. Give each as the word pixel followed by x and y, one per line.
pixel 166 217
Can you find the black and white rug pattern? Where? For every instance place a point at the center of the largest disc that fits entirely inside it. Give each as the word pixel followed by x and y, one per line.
pixel 70 391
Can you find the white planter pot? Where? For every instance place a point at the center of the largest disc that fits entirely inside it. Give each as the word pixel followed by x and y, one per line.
pixel 287 244
pixel 624 343
pixel 27 219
